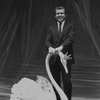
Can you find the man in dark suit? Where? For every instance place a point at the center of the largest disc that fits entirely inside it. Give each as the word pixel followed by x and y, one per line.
pixel 60 37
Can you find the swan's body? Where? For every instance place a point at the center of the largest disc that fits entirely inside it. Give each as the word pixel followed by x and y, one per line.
pixel 27 89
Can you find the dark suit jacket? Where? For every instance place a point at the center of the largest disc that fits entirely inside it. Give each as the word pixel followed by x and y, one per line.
pixel 66 38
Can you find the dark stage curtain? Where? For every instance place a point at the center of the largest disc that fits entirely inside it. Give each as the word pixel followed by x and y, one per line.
pixel 23 28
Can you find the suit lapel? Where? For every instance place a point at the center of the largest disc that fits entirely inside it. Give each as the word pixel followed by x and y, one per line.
pixel 56 31
pixel 60 34
pixel 64 28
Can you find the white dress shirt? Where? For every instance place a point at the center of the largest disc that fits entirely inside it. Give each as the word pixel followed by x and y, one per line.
pixel 61 25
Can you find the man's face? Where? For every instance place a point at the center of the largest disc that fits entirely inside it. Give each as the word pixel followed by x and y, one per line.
pixel 60 15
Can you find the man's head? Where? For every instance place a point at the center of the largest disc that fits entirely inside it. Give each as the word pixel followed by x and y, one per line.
pixel 60 13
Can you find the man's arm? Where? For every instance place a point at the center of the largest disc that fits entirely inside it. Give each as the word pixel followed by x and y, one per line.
pixel 71 36
pixel 48 42
pixel 48 39
pixel 68 40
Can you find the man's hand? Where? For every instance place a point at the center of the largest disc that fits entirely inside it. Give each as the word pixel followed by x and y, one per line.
pixel 67 57
pixel 59 48
pixel 51 50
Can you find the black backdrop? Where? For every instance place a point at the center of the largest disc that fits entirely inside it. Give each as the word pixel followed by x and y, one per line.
pixel 23 28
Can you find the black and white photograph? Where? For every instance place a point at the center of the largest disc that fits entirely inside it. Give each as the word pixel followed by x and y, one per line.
pixel 49 49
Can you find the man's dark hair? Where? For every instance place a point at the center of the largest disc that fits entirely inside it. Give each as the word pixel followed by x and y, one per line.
pixel 59 7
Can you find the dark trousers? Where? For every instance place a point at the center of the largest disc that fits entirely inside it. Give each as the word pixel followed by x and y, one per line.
pixel 56 70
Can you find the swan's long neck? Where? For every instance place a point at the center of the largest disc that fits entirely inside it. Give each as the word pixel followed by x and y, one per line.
pixel 59 90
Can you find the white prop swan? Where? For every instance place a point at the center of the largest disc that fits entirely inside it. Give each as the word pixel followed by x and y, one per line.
pixel 41 89
pixel 59 90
